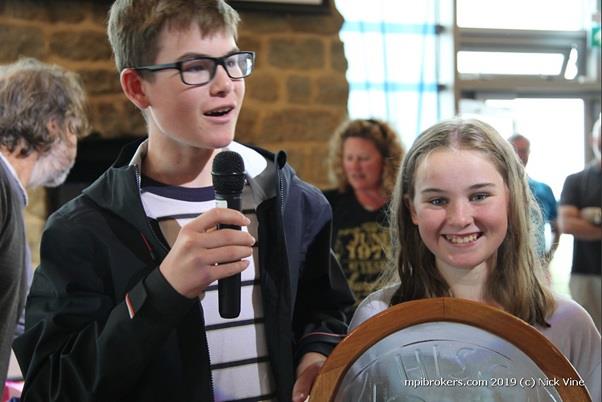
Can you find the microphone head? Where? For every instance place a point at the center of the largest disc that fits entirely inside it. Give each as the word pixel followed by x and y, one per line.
pixel 228 172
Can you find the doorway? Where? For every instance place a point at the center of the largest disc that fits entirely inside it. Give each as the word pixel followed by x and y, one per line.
pixel 555 129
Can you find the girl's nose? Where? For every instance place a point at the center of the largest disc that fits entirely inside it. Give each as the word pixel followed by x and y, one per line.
pixel 459 214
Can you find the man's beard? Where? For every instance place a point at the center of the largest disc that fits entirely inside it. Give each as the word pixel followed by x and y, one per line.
pixel 52 168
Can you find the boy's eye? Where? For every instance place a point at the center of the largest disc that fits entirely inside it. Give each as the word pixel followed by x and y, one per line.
pixel 197 66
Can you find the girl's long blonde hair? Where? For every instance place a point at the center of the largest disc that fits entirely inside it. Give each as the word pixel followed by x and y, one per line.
pixel 515 283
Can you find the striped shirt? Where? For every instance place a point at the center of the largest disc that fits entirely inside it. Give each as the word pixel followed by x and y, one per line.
pixel 240 364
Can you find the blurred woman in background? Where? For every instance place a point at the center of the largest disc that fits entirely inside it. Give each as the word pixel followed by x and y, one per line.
pixel 364 159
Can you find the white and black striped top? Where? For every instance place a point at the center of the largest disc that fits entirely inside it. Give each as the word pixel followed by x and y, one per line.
pixel 240 363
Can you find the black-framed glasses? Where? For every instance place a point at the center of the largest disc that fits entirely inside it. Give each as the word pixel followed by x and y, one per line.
pixel 201 70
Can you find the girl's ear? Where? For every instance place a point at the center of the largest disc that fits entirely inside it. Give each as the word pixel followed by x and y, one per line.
pixel 409 205
pixel 132 87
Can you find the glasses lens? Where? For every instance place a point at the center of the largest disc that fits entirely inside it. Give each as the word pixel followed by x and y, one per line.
pixel 239 65
pixel 198 71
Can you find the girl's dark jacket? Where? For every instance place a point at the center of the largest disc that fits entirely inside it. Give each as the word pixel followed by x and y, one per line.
pixel 82 345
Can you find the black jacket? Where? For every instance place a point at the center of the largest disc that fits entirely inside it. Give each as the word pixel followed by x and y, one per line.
pixel 80 343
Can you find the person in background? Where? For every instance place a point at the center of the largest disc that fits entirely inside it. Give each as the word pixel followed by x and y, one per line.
pixel 124 305
pixel 364 159
pixel 461 220
pixel 580 215
pixel 42 113
pixel 545 198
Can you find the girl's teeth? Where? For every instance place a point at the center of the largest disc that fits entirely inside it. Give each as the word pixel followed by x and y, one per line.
pixel 461 239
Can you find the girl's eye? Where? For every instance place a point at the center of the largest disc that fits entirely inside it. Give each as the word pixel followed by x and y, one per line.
pixel 437 202
pixel 479 196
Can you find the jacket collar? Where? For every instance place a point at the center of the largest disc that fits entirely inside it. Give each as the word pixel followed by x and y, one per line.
pixel 118 188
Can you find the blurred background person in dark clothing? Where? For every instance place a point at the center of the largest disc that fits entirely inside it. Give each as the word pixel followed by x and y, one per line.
pixel 42 112
pixel 364 160
pixel 580 214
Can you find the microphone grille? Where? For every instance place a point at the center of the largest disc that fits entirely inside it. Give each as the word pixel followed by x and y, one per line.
pixel 228 172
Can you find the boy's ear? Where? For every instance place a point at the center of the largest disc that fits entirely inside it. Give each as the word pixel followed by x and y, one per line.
pixel 409 205
pixel 132 87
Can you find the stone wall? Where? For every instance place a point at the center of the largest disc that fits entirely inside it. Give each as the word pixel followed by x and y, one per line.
pixel 295 98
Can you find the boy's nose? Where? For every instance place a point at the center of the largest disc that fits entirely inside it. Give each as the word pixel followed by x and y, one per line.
pixel 221 82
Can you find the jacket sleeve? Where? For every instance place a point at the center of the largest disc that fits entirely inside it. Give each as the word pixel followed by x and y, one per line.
pixel 323 296
pixel 81 342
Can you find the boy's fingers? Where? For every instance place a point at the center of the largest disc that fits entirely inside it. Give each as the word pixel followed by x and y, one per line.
pixel 223 255
pixel 209 220
pixel 225 270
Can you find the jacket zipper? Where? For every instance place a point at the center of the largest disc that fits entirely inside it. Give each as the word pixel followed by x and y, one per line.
pixel 206 344
pixel 148 226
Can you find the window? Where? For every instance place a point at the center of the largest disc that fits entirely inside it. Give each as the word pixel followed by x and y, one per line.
pixel 561 15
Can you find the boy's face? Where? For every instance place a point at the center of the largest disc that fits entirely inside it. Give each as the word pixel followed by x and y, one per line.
pixel 196 116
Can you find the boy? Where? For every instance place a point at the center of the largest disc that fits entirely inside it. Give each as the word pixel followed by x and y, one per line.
pixel 114 312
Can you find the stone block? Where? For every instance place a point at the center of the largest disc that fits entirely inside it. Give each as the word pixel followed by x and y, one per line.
pixel 338 60
pixel 81 45
pixel 21 41
pixel 263 87
pixel 332 90
pixel 298 89
pixel 249 42
pixel 246 128
pixel 101 82
pixel 116 118
pixel 134 123
pixel 297 53
pixel 300 124
pixel 50 11
pixel 263 23
pixel 100 12
pixel 316 24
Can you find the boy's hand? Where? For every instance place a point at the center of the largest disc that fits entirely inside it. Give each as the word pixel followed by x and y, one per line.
pixel 307 371
pixel 191 265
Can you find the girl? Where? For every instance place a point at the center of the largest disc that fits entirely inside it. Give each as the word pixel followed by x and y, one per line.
pixel 461 227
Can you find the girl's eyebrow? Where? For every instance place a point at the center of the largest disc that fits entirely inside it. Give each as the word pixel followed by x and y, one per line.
pixel 478 186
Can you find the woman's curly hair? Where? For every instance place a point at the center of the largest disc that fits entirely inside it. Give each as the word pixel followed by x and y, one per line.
pixel 384 138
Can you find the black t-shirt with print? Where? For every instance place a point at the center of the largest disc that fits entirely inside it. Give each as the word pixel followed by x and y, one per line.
pixel 360 239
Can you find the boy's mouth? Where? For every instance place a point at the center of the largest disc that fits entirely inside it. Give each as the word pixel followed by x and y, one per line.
pixel 219 111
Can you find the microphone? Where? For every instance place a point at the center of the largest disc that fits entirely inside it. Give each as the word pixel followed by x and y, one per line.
pixel 228 173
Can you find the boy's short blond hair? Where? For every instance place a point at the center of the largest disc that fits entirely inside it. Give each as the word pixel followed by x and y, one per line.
pixel 134 25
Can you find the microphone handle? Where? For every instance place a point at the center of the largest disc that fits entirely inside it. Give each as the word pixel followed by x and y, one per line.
pixel 228 289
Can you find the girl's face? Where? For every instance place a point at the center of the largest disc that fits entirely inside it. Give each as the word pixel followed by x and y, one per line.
pixel 362 163
pixel 460 207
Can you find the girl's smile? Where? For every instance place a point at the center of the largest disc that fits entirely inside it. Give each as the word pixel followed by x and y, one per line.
pixel 461 208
